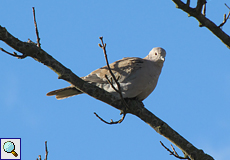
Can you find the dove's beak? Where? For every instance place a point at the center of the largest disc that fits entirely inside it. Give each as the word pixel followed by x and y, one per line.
pixel 162 58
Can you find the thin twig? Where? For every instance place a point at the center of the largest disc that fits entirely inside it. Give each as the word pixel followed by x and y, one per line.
pixel 46 150
pixel 227 6
pixel 36 29
pixel 225 19
pixel 46 155
pixel 174 153
pixel 14 54
pixel 111 83
pixel 204 10
pixel 103 46
pixel 111 122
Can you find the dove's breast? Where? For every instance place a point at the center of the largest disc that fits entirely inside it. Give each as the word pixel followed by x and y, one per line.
pixel 149 78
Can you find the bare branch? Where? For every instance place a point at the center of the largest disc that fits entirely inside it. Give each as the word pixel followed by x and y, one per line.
pixel 46 155
pixel 227 6
pixel 111 83
pixel 123 111
pixel 225 18
pixel 196 13
pixel 188 3
pixel 200 4
pixel 111 121
pixel 14 54
pixel 174 153
pixel 46 150
pixel 102 45
pixel 204 10
pixel 36 29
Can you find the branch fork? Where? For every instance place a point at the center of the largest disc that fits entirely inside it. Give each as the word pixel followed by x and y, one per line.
pixel 46 155
pixel 225 17
pixel 174 153
pixel 14 54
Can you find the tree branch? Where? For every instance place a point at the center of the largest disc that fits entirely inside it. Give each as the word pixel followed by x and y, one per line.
pixel 14 54
pixel 204 22
pixel 135 107
pixel 46 148
pixel 46 155
pixel 200 4
pixel 113 78
pixel 225 18
pixel 36 29
pixel 111 121
pixel 174 153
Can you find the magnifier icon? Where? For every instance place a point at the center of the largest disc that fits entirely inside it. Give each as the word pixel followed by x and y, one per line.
pixel 9 147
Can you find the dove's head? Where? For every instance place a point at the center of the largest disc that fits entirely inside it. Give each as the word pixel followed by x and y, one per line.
pixel 157 55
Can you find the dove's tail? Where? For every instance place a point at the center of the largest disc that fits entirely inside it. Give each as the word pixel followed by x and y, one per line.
pixel 64 92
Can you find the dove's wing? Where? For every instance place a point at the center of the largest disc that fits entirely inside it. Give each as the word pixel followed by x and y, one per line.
pixel 122 69
pixel 137 77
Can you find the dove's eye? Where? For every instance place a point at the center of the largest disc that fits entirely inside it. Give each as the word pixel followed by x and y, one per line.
pixel 155 53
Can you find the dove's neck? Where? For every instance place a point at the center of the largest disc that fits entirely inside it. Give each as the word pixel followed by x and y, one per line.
pixel 158 64
pixel 157 67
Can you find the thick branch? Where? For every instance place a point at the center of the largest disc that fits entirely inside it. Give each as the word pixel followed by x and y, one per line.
pixel 196 12
pixel 135 107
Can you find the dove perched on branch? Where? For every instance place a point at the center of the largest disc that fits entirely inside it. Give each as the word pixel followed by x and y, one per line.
pixel 137 77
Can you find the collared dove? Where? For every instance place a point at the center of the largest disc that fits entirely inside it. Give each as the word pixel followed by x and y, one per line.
pixel 137 77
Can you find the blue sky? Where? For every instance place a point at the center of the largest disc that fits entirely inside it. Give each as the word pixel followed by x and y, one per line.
pixel 192 94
